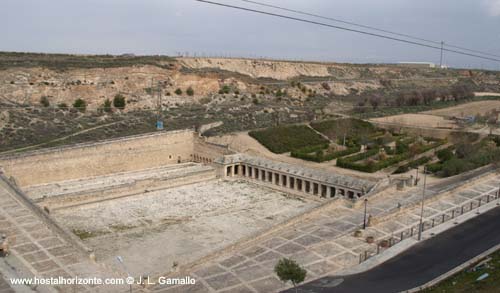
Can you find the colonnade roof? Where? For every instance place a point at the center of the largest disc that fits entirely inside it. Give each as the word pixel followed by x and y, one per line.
pixel 299 171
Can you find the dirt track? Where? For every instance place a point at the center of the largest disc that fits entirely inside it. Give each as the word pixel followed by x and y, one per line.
pixel 468 109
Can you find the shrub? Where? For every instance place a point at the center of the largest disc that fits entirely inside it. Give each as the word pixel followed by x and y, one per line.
pixel 445 154
pixel 190 91
pixel 119 102
pixel 226 89
pixel 63 106
pixel 44 101
pixel 80 105
pixel 289 270
pixel 178 92
pixel 435 167
pixel 106 106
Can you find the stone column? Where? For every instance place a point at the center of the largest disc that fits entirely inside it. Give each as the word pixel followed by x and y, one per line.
pixel 328 191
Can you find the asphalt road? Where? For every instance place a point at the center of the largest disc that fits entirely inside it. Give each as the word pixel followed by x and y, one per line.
pixel 421 263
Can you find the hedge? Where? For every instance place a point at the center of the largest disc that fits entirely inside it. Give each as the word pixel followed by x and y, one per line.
pixel 284 139
pixel 350 162
pixel 411 165
pixel 319 155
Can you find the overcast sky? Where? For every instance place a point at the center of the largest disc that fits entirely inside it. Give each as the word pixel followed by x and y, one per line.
pixel 171 26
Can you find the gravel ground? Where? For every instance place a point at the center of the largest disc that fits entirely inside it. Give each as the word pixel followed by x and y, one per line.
pixel 179 225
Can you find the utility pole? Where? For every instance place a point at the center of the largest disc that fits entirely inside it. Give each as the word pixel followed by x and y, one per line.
pixel 159 120
pixel 364 219
pixel 420 226
pixel 441 60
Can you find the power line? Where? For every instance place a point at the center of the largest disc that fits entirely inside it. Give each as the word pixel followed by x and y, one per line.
pixel 368 27
pixel 346 29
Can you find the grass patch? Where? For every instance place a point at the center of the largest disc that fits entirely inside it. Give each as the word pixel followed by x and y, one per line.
pixel 84 234
pixel 284 139
pixel 351 128
pixel 465 281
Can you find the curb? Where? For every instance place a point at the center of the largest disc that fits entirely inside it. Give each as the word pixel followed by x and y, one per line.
pixel 455 270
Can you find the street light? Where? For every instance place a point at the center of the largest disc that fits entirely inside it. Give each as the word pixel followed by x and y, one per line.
pixel 364 219
pixel 420 226
pixel 498 196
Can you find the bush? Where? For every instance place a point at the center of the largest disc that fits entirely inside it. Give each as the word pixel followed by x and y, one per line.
pixel 178 92
pixel 63 106
pixel 435 167
pixel 289 270
pixel 190 91
pixel 411 165
pixel 283 139
pixel 44 101
pixel 226 89
pixel 455 166
pixel 445 154
pixel 80 105
pixel 119 102
pixel 106 106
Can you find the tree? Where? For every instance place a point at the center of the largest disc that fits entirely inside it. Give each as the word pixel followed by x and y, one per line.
pixel 80 105
pixel 178 92
pixel 375 102
pixel 107 106
pixel 190 91
pixel 119 102
pixel 44 101
pixel 289 270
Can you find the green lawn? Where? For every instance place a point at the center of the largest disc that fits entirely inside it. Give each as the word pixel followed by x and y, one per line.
pixel 284 139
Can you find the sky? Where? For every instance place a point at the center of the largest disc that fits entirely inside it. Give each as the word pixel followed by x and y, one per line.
pixel 171 27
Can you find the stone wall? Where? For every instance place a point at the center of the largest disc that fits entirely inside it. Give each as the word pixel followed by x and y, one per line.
pixel 95 159
pixel 207 152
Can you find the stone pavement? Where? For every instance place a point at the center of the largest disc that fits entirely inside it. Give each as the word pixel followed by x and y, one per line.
pixel 43 252
pixel 325 243
pixel 4 286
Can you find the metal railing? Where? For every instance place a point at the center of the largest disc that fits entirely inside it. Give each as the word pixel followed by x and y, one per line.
pixel 450 214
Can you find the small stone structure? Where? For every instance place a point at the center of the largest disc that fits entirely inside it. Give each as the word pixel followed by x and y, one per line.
pixel 292 178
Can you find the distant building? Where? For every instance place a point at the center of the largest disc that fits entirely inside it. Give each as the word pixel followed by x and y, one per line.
pixel 418 64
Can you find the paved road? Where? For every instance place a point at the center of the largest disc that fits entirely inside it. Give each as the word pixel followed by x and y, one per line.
pixel 422 263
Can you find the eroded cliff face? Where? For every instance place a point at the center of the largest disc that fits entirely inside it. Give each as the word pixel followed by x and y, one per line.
pixel 206 76
pixel 28 85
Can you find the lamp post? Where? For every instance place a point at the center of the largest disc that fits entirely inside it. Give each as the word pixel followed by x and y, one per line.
pixel 364 219
pixel 420 226
pixel 498 196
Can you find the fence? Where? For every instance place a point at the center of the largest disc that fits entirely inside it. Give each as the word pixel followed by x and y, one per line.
pixel 428 224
